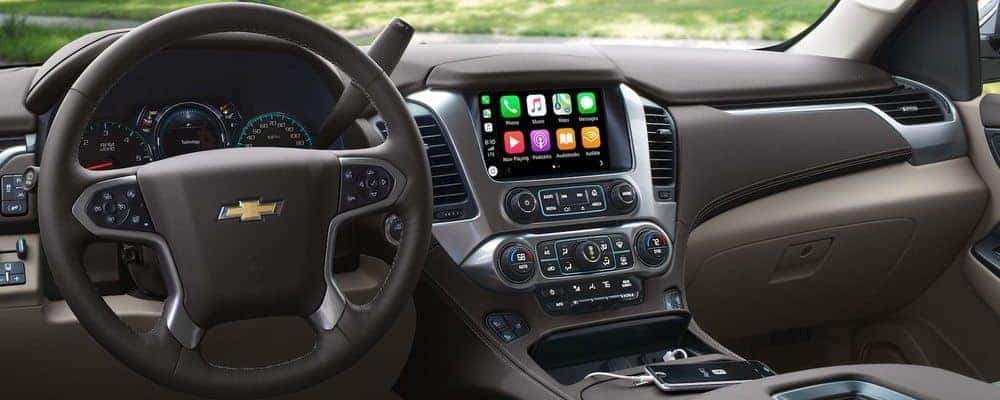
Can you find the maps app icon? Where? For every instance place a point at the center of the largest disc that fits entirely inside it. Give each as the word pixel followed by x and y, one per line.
pixel 562 104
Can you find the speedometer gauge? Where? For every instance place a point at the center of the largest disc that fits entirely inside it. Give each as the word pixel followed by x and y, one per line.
pixel 110 145
pixel 274 129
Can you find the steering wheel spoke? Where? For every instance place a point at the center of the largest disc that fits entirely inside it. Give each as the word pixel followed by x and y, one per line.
pixel 113 208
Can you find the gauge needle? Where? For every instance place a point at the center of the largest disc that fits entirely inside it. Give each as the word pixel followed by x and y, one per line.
pixel 102 165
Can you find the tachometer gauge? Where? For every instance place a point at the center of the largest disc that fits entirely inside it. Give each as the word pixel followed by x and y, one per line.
pixel 189 127
pixel 274 129
pixel 110 145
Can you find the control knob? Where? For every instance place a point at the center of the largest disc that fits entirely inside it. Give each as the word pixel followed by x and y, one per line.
pixel 652 246
pixel 517 263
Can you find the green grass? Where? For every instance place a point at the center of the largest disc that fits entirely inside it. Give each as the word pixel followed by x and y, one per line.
pixel 20 42
pixel 650 19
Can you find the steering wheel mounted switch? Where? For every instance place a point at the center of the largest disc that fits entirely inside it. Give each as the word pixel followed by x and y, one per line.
pixel 120 207
pixel 362 185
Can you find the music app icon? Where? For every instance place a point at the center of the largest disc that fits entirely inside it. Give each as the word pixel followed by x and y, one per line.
pixel 536 105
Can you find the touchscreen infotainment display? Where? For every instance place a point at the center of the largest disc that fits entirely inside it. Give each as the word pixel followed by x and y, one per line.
pixel 543 132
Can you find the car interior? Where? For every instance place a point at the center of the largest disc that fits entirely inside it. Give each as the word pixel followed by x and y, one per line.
pixel 812 220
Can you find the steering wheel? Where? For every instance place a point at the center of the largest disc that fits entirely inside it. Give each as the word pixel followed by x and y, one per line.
pixel 240 233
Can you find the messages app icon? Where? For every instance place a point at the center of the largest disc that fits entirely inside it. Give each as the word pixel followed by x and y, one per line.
pixel 586 102
pixel 562 104
pixel 510 106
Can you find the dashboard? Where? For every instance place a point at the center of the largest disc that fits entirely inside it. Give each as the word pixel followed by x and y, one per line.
pixel 186 100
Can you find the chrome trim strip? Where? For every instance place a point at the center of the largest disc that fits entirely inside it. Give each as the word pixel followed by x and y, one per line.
pixel 179 323
pixel 933 142
pixel 841 388
pixel 461 238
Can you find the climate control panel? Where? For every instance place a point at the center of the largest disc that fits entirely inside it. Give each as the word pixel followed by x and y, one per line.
pixel 528 261
pixel 536 204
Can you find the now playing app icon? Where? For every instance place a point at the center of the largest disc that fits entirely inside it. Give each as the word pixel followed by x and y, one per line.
pixel 513 142
pixel 540 141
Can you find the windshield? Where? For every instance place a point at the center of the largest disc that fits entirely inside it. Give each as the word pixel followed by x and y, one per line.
pixel 31 30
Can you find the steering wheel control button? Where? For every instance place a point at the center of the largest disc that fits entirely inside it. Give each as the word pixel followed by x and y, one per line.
pixel 120 207
pixel 590 295
pixel 623 196
pixel 507 326
pixel 361 185
pixel 517 263
pixel 653 247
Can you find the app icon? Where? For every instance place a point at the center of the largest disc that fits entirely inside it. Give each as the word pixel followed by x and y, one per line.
pixel 484 99
pixel 536 105
pixel 513 142
pixel 566 139
pixel 510 106
pixel 586 102
pixel 540 142
pixel 562 104
pixel 487 113
pixel 488 127
pixel 591 137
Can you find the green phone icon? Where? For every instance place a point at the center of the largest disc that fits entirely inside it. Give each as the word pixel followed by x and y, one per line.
pixel 586 102
pixel 510 106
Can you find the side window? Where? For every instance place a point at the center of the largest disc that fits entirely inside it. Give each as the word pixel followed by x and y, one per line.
pixel 987 36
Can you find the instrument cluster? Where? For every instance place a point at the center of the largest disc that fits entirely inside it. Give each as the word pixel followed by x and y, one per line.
pixel 162 131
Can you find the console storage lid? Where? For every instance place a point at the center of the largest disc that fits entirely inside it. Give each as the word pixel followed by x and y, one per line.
pixel 921 383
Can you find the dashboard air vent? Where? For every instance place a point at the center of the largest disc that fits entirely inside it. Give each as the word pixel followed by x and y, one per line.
pixel 909 106
pixel 660 135
pixel 448 185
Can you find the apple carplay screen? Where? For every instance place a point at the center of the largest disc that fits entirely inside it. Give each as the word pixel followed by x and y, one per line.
pixel 534 133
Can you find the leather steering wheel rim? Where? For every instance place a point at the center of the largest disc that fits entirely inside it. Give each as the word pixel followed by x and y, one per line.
pixel 167 354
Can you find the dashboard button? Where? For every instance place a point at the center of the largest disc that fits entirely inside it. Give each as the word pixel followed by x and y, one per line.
pixel 624 260
pixel 550 268
pixel 619 243
pixel 568 266
pixel 546 250
pixel 564 249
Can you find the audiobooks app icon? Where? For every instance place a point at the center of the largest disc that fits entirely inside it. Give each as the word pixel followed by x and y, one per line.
pixel 591 137
pixel 566 139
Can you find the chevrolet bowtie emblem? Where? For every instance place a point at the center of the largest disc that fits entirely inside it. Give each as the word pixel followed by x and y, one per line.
pixel 250 210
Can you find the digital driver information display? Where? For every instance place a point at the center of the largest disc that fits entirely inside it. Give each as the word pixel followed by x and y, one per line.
pixel 543 132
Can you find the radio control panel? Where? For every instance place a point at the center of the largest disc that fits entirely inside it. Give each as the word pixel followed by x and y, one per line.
pixel 536 204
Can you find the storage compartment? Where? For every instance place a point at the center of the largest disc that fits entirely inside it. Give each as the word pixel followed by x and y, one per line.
pixel 572 354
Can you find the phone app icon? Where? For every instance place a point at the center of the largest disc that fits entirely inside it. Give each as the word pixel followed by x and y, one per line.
pixel 536 105
pixel 591 137
pixel 586 102
pixel 484 99
pixel 513 142
pixel 540 142
pixel 566 139
pixel 562 104
pixel 510 106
